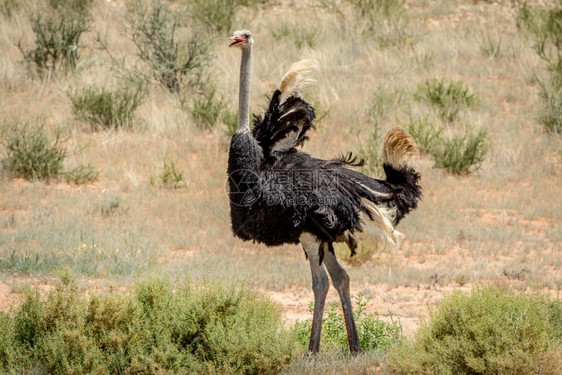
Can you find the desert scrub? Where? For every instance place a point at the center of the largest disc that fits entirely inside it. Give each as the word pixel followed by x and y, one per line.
pixel 175 54
pixel 206 109
pixel 57 42
pixel 31 152
pixel 374 334
pixel 543 24
pixel 170 178
pixel 301 36
pixel 490 331
pixel 156 328
pixel 105 108
pixel 446 98
pixel 461 154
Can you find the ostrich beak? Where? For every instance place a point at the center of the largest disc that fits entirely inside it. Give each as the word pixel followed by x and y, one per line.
pixel 237 41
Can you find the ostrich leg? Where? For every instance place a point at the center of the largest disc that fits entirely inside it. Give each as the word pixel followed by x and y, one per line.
pixel 320 285
pixel 340 279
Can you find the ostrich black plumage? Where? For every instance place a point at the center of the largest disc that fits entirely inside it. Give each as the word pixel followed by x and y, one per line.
pixel 281 195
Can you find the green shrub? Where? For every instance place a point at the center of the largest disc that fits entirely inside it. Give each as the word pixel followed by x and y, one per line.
pixel 155 329
pixel 82 175
pixel 177 56
pixel 428 136
pixel 32 153
pixel 170 177
pixel 461 155
pixel 374 334
pixel 109 109
pixel 491 331
pixel 447 99
pixel 57 42
pixel 206 109
pixel 551 114
pixel 230 121
pixel 544 25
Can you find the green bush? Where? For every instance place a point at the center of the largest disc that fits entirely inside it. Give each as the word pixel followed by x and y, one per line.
pixel 170 177
pixel 447 99
pixel 32 153
pixel 206 109
pixel 216 15
pixel 109 109
pixel 177 56
pixel 461 155
pixel 82 175
pixel 544 25
pixel 491 331
pixel 551 114
pixel 427 135
pixel 155 329
pixel 57 42
pixel 374 334
pixel 371 153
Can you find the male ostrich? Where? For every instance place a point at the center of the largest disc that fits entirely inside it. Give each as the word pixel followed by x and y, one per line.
pixel 281 195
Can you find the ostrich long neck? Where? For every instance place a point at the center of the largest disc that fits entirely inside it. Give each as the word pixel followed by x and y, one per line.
pixel 244 94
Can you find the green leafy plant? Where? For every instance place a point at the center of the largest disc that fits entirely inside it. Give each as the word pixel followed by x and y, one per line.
pixel 489 331
pixel 155 328
pixel 109 109
pixel 177 56
pixel 57 42
pixel 461 155
pixel 82 174
pixel 374 333
pixel 31 152
pixel 170 177
pixel 447 98
pixel 216 15
pixel 206 109
pixel 230 121
pixel 427 135
pixel 544 25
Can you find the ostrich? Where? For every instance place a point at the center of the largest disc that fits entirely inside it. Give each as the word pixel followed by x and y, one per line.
pixel 280 195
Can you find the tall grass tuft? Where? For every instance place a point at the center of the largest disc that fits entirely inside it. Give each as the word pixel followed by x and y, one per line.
pixel 154 329
pixel 108 109
pixel 31 152
pixel 489 331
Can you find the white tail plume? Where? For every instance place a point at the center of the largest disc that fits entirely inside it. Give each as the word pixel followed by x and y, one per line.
pixel 298 77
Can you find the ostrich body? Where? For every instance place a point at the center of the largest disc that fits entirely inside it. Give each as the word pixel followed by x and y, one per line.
pixel 280 195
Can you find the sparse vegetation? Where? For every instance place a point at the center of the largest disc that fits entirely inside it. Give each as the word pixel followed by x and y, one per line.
pixel 206 110
pixel 82 174
pixel 57 42
pixel 108 109
pixel 176 55
pixel 490 331
pixel 461 155
pixel 170 177
pixel 120 227
pixel 544 24
pixel 31 152
pixel 447 98
pixel 375 335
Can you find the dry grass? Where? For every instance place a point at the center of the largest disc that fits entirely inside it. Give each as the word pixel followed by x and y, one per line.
pixel 502 223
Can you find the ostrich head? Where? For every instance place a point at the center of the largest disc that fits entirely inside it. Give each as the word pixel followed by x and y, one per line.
pixel 241 38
